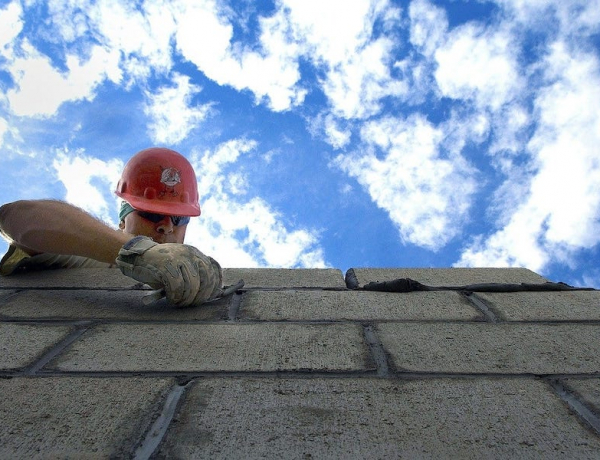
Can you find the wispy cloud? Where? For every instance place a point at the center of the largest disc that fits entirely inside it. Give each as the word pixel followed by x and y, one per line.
pixel 271 72
pixel 559 212
pixel 140 35
pixel 425 188
pixel 478 65
pixel 33 74
pixel 11 25
pixel 171 111
pixel 89 182
pixel 3 130
pixel 355 60
pixel 242 230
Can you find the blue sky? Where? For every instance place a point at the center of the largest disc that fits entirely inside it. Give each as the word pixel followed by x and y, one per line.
pixel 336 133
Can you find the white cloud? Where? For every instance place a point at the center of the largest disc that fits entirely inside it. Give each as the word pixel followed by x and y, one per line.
pixel 3 130
pixel 250 233
pixel 560 213
pixel 591 279
pixel 336 135
pixel 271 72
pixel 337 31
pixel 106 40
pixel 69 18
pixel 242 232
pixel 213 177
pixel 10 24
pixel 34 74
pixel 141 34
pixel 571 18
pixel 428 26
pixel 136 40
pixel 566 148
pixel 356 60
pixel 338 38
pixel 425 191
pixel 510 123
pixel 478 64
pixel 538 220
pixel 336 132
pixel 89 182
pixel 355 88
pixel 341 40
pixel 172 116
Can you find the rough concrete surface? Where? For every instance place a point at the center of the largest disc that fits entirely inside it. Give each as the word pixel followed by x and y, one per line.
pixel 361 306
pixel 6 294
pixel 493 348
pixel 545 306
pixel 74 417
pixel 20 344
pixel 447 276
pixel 285 278
pixel 326 418
pixel 222 347
pixel 103 304
pixel 90 278
pixel 297 365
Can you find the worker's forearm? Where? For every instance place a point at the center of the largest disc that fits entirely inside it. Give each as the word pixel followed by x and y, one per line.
pixel 59 228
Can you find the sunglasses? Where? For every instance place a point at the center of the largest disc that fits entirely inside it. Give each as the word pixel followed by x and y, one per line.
pixel 156 218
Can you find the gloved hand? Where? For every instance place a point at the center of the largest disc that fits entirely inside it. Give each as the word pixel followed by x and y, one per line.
pixel 187 276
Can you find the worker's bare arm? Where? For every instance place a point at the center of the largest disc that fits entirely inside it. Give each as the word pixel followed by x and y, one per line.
pixel 59 228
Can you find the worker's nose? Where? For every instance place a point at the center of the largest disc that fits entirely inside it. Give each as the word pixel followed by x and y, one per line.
pixel 165 225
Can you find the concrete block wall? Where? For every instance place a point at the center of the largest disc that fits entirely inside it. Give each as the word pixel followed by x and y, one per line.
pixel 297 365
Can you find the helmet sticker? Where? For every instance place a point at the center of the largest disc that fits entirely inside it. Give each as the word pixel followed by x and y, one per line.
pixel 170 177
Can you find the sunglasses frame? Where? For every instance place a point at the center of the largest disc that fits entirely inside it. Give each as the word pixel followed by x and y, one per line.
pixel 155 218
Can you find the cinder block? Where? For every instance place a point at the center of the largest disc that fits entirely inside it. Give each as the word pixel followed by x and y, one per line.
pixel 355 305
pixel 218 347
pixel 100 304
pixel 545 306
pixel 92 278
pixel 6 294
pixel 66 417
pixel 369 418
pixel 358 277
pixel 493 348
pixel 22 344
pixel 587 390
pixel 285 278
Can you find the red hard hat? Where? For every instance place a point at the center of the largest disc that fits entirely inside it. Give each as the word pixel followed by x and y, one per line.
pixel 162 181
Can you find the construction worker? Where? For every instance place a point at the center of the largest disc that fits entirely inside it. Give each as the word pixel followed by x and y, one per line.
pixel 160 193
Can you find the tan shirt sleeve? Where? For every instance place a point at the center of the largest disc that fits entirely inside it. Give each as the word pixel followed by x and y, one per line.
pixel 17 260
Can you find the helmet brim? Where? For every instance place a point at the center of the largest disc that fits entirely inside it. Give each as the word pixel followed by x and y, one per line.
pixel 167 208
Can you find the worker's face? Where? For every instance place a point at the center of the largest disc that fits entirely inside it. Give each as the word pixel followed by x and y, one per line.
pixel 163 231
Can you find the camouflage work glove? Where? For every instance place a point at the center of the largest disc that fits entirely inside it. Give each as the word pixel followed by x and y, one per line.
pixel 187 276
